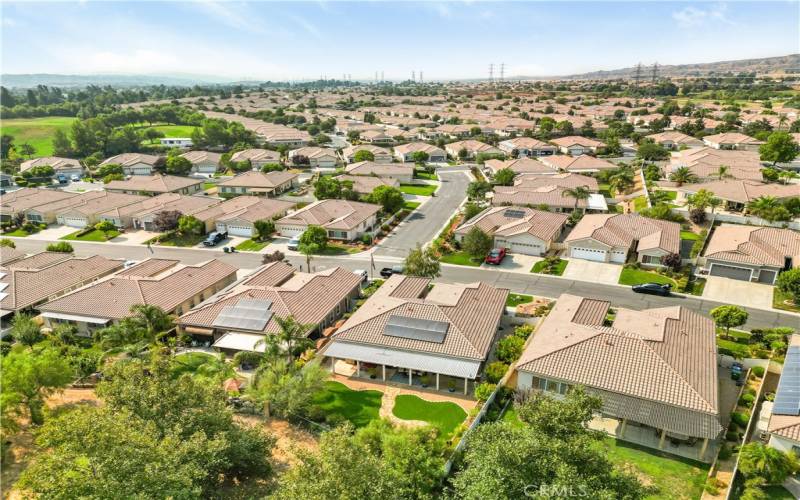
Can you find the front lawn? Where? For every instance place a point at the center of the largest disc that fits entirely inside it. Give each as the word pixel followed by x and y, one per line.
pixel 515 299
pixel 411 205
pixel 421 174
pixel 251 245
pixel 688 235
pixel 180 240
pixel 460 258
pixel 781 300
pixel 337 249
pixel 95 235
pixel 19 233
pixel 359 407
pixel 557 270
pixel 631 276
pixel 670 476
pixel 418 189
pixel 443 415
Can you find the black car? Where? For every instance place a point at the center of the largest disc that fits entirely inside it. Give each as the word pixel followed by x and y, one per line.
pixel 387 272
pixel 653 289
pixel 214 238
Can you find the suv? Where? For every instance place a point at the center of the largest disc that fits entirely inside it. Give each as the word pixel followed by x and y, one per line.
pixel 214 238
pixel 653 289
pixel 387 272
pixel 62 179
pixel 294 243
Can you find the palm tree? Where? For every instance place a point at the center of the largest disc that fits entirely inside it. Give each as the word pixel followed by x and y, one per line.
pixel 782 120
pixel 152 320
pixel 621 180
pixel 785 175
pixel 766 462
pixel 714 203
pixel 723 171
pixel 291 338
pixel 682 175
pixel 762 205
pixel 578 193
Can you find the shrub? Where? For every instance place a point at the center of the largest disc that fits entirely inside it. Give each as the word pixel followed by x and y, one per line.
pixel 758 371
pixel 495 371
pixel 5 242
pixel 61 246
pixel 509 349
pixel 741 418
pixel 732 436
pixel 725 452
pixel 523 331
pixel 483 391
pixel 747 400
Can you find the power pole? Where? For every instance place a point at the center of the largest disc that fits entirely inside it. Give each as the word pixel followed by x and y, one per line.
pixel 420 76
pixel 491 73
pixel 655 71
pixel 502 72
pixel 413 76
pixel 638 74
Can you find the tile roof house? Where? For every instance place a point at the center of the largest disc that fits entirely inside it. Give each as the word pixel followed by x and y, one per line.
pixel 520 166
pixel 317 157
pixel 518 229
pixel 675 140
pixel 704 162
pixel 526 146
pixel 576 145
pixel 133 163
pixel 203 162
pixel 534 190
pixel 344 220
pixel 751 253
pixel 317 299
pixel 92 205
pixel 738 193
pixel 405 328
pixel 9 255
pixel 376 137
pixel 140 215
pixel 405 152
pixel 472 148
pixel 237 215
pixel 256 183
pixel 381 155
pixel 732 140
pixel 258 157
pixel 655 368
pixel 156 184
pixel 28 282
pixel 400 171
pixel 365 184
pixel 64 166
pixel 159 282
pixel 35 204
pixel 583 163
pixel 611 237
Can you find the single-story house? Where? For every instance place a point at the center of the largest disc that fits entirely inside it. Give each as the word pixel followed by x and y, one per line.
pixel 526 146
pixel 176 142
pixel 153 185
pixel 344 220
pixel 258 157
pixel 738 193
pixel 133 163
pixel 246 313
pixel 611 237
pixel 751 253
pixel 317 157
pixel 583 163
pixel 455 131
pixel 405 152
pixel 675 140
pixel 92 205
pixel 520 166
pixel 365 184
pixel 705 162
pixel 402 172
pixel 381 155
pixel 203 162
pixel 732 140
pixel 655 370
pixel 238 214
pixel 35 204
pixel 535 190
pixel 281 135
pixel 472 147
pixel 376 137
pixel 576 145
pixel 518 229
pixel 158 282
pixel 258 183
pixel 410 332
pixel 61 166
pixel 141 215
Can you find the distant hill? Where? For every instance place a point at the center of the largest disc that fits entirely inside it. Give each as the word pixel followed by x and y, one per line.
pixel 66 81
pixel 764 65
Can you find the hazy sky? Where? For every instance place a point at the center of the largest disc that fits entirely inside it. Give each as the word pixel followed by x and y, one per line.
pixel 271 40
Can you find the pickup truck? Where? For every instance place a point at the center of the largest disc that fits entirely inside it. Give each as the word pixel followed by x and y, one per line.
pixel 214 238
pixel 387 272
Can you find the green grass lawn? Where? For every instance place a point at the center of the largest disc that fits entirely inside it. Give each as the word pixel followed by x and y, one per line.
pixel 181 240
pixel 639 203
pixel 732 348
pixel 251 245
pixel 170 131
pixel 19 233
pixel 38 132
pixel 445 416
pixel 511 417
pixel 460 258
pixel 776 492
pixel 557 271
pixel 359 407
pixel 688 235
pixel 779 301
pixel 411 205
pixel 337 249
pixel 421 174
pixel 418 190
pixel 671 477
pixel 515 299
pixel 639 276
pixel 209 185
pixel 91 236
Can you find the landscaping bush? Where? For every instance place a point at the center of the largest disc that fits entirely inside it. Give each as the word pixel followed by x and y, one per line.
pixel 758 371
pixel 747 400
pixel 725 452
pixel 495 371
pixel 732 436
pixel 523 331
pixel 61 246
pixel 509 349
pixel 483 391
pixel 741 418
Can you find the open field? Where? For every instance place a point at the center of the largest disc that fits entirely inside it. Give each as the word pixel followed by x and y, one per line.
pixel 38 132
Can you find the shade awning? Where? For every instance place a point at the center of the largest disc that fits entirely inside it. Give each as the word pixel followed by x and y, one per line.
pixel 75 317
pixel 240 342
pixel 443 365
pixel 596 202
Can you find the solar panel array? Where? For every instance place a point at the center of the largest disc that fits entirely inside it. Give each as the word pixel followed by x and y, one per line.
pixel 787 397
pixel 416 329
pixel 246 314
pixel 514 214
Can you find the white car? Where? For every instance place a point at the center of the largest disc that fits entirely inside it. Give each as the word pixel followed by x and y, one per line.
pixel 362 273
pixel 75 178
pixel 294 243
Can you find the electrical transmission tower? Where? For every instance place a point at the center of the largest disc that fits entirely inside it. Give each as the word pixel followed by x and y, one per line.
pixel 420 76
pixel 413 76
pixel 637 76
pixel 491 73
pixel 502 72
pixel 655 72
pixel 382 79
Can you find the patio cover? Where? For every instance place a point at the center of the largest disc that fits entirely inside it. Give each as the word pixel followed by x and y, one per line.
pixel 454 367
pixel 240 342
pixel 75 317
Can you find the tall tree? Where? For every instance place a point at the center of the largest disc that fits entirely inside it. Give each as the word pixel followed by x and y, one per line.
pixel 30 376
pixel 728 317
pixel 780 147
pixel 477 243
pixel 578 193
pixel 682 175
pixel 422 262
pixel 25 330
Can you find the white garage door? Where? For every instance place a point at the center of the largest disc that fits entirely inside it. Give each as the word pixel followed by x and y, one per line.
pixel 74 221
pixel 240 230
pixel 618 256
pixel 588 254
pixel 289 231
pixel 525 248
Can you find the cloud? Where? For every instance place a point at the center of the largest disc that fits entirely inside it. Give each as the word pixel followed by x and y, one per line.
pixel 692 17
pixel 310 28
pixel 230 14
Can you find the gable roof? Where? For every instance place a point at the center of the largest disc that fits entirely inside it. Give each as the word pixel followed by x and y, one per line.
pixel 256 155
pixel 622 230
pixel 498 221
pixel 379 169
pixel 577 140
pixel 196 157
pixel 257 179
pixel 332 214
pixel 763 246
pixel 153 183
pixel 57 162
pixel 130 159
pixel 520 166
pixel 731 138
pixel 744 191
pixel 577 163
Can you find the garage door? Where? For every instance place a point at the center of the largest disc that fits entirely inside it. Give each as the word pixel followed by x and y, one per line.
pixel 74 221
pixel 240 230
pixel 766 277
pixel 618 256
pixel 525 249
pixel 737 273
pixel 588 254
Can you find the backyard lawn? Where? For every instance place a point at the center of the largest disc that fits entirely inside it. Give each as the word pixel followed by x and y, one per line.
pixel 418 189
pixel 38 132
pixel 251 245
pixel 779 301
pixel 515 299
pixel 95 235
pixel 460 258
pixel 558 270
pixel 671 477
pixel 688 235
pixel 443 415
pixel 359 407
pixel 639 276
pixel 639 203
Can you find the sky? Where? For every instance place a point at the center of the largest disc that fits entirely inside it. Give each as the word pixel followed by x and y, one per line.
pixel 444 40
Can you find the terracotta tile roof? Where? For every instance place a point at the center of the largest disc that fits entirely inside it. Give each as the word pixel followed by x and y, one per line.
pixel 365 184
pixel 413 147
pixel 581 163
pixel 622 230
pixel 247 207
pixel 153 183
pixel 379 169
pixel 332 214
pixel 28 198
pixel 313 152
pixel 495 221
pixel 762 246
pixel 665 356
pixel 705 162
pixel 576 140
pixel 256 179
pixel 130 159
pixel 744 191
pixel 526 143
pixel 731 138
pixel 9 255
pixel 521 166
pixel 202 157
pixel 113 298
pixel 377 151
pixel 256 155
pixel 470 145
pixel 675 137
pixel 272 274
pixel 56 162
pixel 149 268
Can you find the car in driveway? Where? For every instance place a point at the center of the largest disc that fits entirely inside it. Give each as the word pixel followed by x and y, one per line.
pixel 653 289
pixel 387 272
pixel 294 243
pixel 496 256
pixel 214 238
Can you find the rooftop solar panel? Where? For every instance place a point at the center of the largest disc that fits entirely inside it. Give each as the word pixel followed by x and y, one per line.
pixel 787 397
pixel 416 329
pixel 514 214
pixel 246 314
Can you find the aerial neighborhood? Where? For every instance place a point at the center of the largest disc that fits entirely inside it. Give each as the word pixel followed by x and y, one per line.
pixel 333 288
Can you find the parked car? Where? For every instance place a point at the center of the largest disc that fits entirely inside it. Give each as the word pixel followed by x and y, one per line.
pixel 362 273
pixel 653 289
pixel 215 238
pixel 62 179
pixel 75 178
pixel 736 371
pixel 496 256
pixel 294 243
pixel 387 272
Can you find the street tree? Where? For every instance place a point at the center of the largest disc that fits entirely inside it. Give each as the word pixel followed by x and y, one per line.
pixel 422 262
pixel 477 243
pixel 728 317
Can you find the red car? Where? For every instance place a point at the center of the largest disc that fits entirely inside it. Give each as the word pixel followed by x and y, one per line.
pixel 496 256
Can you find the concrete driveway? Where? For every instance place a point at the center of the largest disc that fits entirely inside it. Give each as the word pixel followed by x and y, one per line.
pixel 515 263
pixel 738 292
pixel 53 233
pixel 596 272
pixel 134 237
